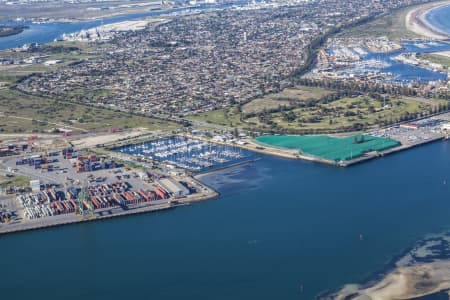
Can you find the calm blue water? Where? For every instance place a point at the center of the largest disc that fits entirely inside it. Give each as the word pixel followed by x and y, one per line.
pixel 402 72
pixel 440 18
pixel 405 72
pixel 278 224
pixel 48 32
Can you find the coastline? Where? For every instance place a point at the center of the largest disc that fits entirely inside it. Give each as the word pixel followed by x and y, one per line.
pixel 416 22
pixel 68 219
pixel 294 154
pixel 421 270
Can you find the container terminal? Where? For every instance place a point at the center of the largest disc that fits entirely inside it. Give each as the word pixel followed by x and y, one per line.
pixel 68 186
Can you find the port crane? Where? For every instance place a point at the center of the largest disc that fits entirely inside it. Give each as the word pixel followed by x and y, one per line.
pixel 84 200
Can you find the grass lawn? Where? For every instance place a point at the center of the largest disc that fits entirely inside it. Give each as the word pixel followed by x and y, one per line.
pixel 437 58
pixel 25 113
pixel 231 116
pixel 392 25
pixel 357 112
pixel 14 181
pixel 284 98
pixel 346 112
pixel 226 116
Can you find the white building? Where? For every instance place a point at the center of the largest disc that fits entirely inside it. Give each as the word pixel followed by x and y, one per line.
pixel 35 185
pixel 445 126
pixel 174 187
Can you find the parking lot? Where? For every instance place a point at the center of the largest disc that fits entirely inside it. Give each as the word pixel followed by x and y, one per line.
pixel 413 133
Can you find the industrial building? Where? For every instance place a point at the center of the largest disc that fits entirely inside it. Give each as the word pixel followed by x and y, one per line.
pixel 174 187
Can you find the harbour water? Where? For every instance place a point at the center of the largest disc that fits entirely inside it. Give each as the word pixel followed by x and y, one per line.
pixel 401 72
pixel 47 32
pixel 278 225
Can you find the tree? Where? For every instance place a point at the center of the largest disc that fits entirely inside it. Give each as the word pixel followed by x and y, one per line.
pixel 236 133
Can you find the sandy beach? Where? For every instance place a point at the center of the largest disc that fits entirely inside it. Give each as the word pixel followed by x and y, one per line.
pixel 404 283
pixel 443 53
pixel 416 22
pixel 424 270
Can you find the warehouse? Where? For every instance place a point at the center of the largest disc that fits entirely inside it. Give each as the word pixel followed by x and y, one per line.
pixel 174 187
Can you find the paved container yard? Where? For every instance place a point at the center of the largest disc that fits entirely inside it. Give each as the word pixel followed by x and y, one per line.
pixel 79 186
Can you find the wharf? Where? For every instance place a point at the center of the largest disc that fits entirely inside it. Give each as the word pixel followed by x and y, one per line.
pixel 235 165
pixel 373 155
pixel 61 220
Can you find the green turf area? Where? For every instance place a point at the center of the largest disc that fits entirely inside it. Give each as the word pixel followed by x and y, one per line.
pixel 21 112
pixel 14 181
pixel 436 58
pixel 226 116
pixel 330 148
pixel 392 26
pixel 285 97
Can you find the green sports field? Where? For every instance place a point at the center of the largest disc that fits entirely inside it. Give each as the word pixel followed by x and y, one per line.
pixel 330 148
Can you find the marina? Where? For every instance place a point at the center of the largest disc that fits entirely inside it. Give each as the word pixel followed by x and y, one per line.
pixel 189 154
pixel 386 67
